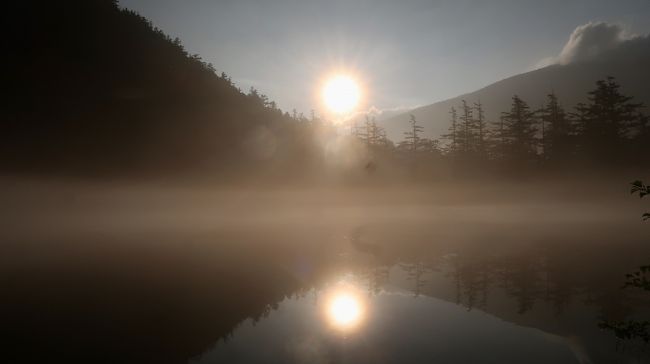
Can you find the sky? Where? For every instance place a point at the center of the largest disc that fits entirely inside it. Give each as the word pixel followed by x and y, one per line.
pixel 404 53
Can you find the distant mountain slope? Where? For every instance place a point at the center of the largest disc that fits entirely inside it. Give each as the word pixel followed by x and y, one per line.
pixel 629 63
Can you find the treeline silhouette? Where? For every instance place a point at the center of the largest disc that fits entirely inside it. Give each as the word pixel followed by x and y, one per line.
pixel 95 89
pixel 98 90
pixel 543 282
pixel 608 131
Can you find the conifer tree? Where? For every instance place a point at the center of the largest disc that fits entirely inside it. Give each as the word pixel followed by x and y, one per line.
pixel 607 120
pixel 465 137
pixel 480 125
pixel 413 135
pixel 519 132
pixel 372 134
pixel 453 132
pixel 497 140
pixel 375 132
pixel 556 130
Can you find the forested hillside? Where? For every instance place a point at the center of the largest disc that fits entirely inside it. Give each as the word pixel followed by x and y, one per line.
pixel 95 89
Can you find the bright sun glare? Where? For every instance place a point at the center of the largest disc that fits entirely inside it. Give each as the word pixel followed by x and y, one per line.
pixel 344 311
pixel 341 94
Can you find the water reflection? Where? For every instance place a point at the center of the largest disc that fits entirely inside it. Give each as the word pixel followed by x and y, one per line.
pixel 345 308
pixel 372 294
pixel 561 289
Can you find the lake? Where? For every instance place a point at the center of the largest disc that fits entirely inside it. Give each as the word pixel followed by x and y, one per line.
pixel 315 280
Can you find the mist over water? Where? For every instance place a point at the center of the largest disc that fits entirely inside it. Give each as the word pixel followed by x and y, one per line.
pixel 46 209
pixel 152 211
pixel 167 273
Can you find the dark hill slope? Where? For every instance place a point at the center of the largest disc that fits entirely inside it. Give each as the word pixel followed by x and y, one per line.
pixel 95 89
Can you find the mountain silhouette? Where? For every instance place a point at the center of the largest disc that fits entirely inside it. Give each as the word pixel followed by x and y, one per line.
pixel 570 82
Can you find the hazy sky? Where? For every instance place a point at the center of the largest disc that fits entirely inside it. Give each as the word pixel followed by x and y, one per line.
pixel 407 53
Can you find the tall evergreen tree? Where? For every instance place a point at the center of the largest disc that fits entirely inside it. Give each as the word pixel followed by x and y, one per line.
pixel 578 119
pixel 466 129
pixel 608 118
pixel 519 132
pixel 372 134
pixel 556 130
pixel 452 148
pixel 480 125
pixel 413 136
pixel 497 140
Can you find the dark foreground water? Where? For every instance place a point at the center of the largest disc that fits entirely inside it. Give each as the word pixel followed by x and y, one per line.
pixel 477 285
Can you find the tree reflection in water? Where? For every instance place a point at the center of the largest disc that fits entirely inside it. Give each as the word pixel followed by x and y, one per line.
pixel 122 300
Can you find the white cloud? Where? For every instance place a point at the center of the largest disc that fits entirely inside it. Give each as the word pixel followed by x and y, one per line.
pixel 384 113
pixel 378 113
pixel 588 41
pixel 544 62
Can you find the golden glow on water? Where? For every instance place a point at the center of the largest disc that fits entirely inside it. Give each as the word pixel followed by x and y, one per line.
pixel 345 308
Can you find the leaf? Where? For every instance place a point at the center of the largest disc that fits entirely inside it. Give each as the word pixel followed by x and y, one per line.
pixel 642 189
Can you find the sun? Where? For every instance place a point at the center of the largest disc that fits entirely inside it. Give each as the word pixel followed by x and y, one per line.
pixel 341 94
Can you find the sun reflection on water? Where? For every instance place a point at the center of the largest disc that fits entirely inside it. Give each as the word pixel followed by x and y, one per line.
pixel 345 308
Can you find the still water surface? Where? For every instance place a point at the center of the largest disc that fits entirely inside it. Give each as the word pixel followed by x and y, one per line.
pixel 502 291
